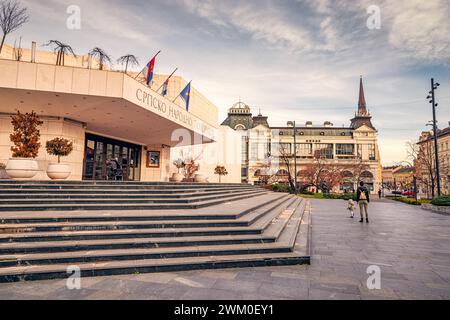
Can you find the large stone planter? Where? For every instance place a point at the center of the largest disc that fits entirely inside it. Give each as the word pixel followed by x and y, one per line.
pixel 199 178
pixel 21 168
pixel 58 171
pixel 177 177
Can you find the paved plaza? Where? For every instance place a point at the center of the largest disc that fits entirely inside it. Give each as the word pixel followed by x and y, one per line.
pixel 411 246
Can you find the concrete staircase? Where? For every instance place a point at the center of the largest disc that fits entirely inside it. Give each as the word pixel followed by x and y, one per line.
pixel 192 226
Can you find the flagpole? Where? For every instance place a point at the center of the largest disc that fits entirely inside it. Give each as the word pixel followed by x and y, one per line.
pixel 167 79
pixel 144 67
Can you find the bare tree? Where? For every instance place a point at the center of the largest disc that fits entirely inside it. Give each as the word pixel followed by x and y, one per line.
pixel 358 168
pixel 12 17
pixel 61 49
pixel 128 60
pixel 421 155
pixel 102 57
pixel 313 173
pixel 285 157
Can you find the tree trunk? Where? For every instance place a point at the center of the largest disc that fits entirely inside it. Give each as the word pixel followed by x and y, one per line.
pixel 3 41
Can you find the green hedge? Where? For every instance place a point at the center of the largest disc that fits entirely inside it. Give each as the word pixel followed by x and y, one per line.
pixel 281 188
pixel 341 196
pixel 441 201
pixel 411 201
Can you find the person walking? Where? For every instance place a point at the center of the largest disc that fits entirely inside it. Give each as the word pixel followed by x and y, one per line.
pixel 379 193
pixel 362 197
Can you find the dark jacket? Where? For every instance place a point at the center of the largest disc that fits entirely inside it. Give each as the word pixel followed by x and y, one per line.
pixel 361 190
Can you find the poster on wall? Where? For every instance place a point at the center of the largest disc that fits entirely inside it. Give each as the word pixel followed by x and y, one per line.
pixel 153 159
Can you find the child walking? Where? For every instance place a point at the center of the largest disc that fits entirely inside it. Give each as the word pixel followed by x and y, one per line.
pixel 351 207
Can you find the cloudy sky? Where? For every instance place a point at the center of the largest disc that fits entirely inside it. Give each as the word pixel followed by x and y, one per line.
pixel 295 59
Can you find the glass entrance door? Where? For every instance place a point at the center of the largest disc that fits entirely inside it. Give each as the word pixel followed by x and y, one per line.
pixel 108 159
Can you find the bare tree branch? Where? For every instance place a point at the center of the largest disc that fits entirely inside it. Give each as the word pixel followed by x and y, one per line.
pixel 12 17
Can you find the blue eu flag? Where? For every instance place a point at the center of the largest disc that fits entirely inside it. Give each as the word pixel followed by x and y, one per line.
pixel 186 95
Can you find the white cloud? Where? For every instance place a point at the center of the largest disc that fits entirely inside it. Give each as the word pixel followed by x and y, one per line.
pixel 422 28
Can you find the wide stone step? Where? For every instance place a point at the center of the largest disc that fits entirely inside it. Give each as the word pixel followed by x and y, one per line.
pixel 133 215
pixel 118 225
pixel 106 190
pixel 265 217
pixel 69 186
pixel 139 254
pixel 65 246
pixel 111 183
pixel 42 272
pixel 111 194
pixel 130 205
pixel 102 199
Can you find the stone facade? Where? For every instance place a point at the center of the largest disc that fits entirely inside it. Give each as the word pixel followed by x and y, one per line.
pixel 344 147
pixel 426 162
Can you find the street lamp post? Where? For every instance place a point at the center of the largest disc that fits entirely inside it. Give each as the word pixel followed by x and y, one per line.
pixel 295 158
pixel 434 86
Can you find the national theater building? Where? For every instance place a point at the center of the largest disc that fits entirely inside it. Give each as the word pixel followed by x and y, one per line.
pixel 353 148
pixel 109 114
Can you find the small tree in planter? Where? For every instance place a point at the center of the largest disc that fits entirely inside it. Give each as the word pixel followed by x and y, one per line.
pixel 179 164
pixel 25 135
pixel 25 138
pixel 221 171
pixel 190 169
pixel 59 147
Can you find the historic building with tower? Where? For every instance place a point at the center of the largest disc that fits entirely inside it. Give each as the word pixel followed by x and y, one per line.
pixel 268 150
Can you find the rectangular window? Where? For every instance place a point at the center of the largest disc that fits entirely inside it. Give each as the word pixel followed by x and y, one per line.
pixel 282 148
pixel 324 150
pixel 372 154
pixel 304 150
pixel 345 149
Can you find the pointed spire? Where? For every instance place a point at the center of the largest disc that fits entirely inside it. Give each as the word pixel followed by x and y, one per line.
pixel 362 111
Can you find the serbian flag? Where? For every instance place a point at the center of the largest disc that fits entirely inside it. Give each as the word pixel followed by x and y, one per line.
pixel 186 95
pixel 148 70
pixel 166 83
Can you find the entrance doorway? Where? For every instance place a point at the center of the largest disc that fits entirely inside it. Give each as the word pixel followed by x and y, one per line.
pixel 108 159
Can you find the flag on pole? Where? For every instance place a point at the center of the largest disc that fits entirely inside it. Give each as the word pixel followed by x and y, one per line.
pixel 148 70
pixel 186 95
pixel 166 83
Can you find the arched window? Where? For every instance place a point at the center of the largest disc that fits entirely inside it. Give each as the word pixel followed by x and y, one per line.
pixel 367 175
pixel 282 172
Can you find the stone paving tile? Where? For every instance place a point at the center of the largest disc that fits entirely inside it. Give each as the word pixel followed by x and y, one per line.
pixel 211 294
pixel 237 286
pixel 317 294
pixel 410 245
